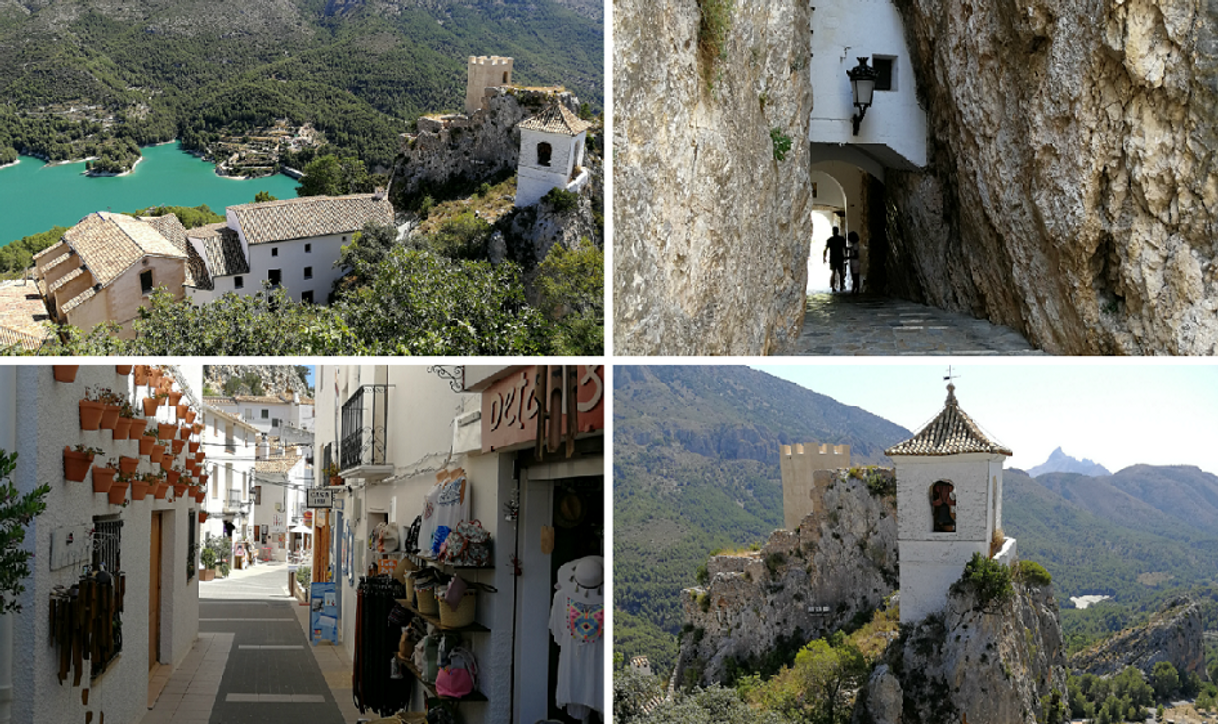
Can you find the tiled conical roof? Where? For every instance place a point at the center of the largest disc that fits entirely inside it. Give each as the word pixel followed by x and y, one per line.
pixel 952 432
pixel 556 119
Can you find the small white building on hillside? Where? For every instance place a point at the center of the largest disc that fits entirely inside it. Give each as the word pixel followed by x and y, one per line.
pixel 292 243
pixel 551 154
pixel 949 506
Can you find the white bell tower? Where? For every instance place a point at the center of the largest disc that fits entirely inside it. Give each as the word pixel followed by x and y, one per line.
pixel 949 503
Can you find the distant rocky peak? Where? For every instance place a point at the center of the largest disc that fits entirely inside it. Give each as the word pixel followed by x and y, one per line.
pixel 273 379
pixel 1060 462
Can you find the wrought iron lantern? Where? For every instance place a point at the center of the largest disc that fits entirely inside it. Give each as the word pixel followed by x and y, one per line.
pixel 862 85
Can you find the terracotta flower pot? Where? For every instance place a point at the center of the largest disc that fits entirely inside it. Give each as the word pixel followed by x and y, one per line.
pixel 197 427
pixel 181 410
pixel 146 444
pixel 160 491
pixel 203 478
pixel 122 428
pixel 184 433
pixel 202 516
pixel 139 489
pixel 122 369
pixel 109 416
pixel 172 476
pixel 166 463
pixel 141 374
pixel 178 445
pixel 179 490
pixel 193 447
pixel 175 397
pixel 190 416
pixel 154 376
pixel 65 373
pixel 336 480
pixel 118 493
pixel 128 465
pixel 157 455
pixel 76 464
pixel 165 430
pixel 191 466
pixel 200 456
pixel 150 405
pixel 199 496
pixel 90 414
pixel 103 479
pixel 137 429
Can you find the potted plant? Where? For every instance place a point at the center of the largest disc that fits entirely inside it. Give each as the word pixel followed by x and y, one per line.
pixel 331 471
pixel 126 417
pixel 177 446
pixel 127 465
pixel 110 402
pixel 190 416
pixel 158 454
pixel 200 494
pixel 192 447
pixel 118 491
pixel 141 375
pixel 139 485
pixel 147 441
pixel 202 516
pixel 181 409
pixel 90 411
pixel 64 373
pixel 154 375
pixel 165 430
pixel 76 462
pixel 166 462
pixel 138 424
pixel 103 477
pixel 175 396
pixel 173 475
pixel 150 404
pixel 203 478
pixel 184 432
pixel 208 558
pixel 161 486
pixel 123 370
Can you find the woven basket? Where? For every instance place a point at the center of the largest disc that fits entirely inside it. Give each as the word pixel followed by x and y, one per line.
pixel 409 588
pixel 464 615
pixel 427 601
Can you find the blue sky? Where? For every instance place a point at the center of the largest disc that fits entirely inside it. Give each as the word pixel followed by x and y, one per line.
pixel 1118 413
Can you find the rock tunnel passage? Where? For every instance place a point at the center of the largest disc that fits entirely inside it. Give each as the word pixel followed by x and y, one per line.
pixel 865 324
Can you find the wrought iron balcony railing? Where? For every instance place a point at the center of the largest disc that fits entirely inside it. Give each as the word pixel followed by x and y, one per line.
pixel 364 417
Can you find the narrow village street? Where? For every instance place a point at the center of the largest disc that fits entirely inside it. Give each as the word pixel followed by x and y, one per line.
pixel 843 324
pixel 252 661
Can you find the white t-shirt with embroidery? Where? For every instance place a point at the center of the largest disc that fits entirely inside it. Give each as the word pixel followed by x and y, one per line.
pixel 444 506
pixel 577 623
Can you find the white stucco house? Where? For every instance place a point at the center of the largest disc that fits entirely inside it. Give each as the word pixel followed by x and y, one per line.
pixel 148 542
pixel 949 505
pixel 269 413
pixel 291 243
pixel 231 445
pixel 551 154
pixel 281 475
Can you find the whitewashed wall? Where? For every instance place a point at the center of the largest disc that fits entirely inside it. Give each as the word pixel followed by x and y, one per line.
pixel 842 31
pixel 534 180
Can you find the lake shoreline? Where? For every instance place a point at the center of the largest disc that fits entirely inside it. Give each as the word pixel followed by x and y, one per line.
pixel 6 165
pixel 110 174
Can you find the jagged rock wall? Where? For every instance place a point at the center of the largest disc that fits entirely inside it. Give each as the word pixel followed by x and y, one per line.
pixel 843 557
pixel 275 378
pixel 1072 191
pixel 473 148
pixel 1175 634
pixel 711 231
pixel 998 666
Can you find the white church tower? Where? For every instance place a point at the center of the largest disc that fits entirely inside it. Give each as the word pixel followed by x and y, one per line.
pixel 949 503
pixel 551 154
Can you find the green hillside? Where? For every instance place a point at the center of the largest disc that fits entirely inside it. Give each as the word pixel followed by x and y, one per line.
pixel 696 469
pixel 74 75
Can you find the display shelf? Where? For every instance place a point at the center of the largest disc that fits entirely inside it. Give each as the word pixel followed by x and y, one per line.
pixel 421 561
pixel 474 695
pixel 435 620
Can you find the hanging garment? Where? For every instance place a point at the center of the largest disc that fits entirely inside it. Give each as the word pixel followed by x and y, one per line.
pixel 376 646
pixel 577 623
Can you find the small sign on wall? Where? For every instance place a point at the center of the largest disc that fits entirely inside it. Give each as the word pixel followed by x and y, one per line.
pixel 69 546
pixel 320 498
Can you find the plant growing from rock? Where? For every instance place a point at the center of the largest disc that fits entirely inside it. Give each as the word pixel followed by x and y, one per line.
pixel 988 580
pixel 782 143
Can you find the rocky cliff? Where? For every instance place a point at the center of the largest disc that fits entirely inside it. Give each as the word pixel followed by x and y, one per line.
pixel 275 378
pixel 995 664
pixel 1175 634
pixel 842 560
pixel 1072 185
pixel 711 227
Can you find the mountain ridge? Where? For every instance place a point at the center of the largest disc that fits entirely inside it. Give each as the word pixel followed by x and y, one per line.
pixel 1059 462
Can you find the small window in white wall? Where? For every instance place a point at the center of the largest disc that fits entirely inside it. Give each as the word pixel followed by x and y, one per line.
pixel 275 276
pixel 308 272
pixel 238 282
pixel 266 414
pixel 544 151
pixel 885 69
pixel 308 248
pixel 274 251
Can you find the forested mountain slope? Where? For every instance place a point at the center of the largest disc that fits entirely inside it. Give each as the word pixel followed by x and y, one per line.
pixel 152 70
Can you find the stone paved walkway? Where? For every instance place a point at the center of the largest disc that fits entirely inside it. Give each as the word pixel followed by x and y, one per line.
pixel 842 324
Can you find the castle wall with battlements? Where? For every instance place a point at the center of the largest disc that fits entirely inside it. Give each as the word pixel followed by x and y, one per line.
pixel 799 464
pixel 485 73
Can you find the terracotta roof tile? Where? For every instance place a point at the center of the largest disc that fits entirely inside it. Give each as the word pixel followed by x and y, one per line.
pixel 57 248
pixel 556 119
pixel 78 300
pixel 952 432
pixel 196 270
pixel 171 228
pixel 222 249
pixel 311 216
pixel 22 315
pixel 278 463
pixel 65 279
pixel 108 244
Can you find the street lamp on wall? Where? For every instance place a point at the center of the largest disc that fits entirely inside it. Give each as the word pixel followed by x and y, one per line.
pixel 862 85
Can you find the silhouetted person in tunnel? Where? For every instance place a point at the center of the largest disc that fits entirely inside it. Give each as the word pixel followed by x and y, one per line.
pixel 835 249
pixel 852 258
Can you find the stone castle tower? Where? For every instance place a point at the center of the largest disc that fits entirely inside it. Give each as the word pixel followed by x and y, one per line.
pixel 803 468
pixel 949 504
pixel 485 73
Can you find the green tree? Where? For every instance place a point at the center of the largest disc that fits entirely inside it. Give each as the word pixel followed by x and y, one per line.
pixel 464 236
pixel 988 579
pixel 368 247
pixel 1165 679
pixel 17 511
pixel 332 176
pixel 571 291
pixel 264 196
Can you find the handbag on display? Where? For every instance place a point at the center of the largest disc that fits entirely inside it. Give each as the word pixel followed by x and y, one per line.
pixel 412 535
pixel 458 678
pixel 469 545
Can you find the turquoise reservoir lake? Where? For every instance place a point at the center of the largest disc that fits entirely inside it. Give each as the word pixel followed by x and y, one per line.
pixel 34 197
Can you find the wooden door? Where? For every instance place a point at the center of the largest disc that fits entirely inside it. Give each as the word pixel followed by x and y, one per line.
pixel 154 592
